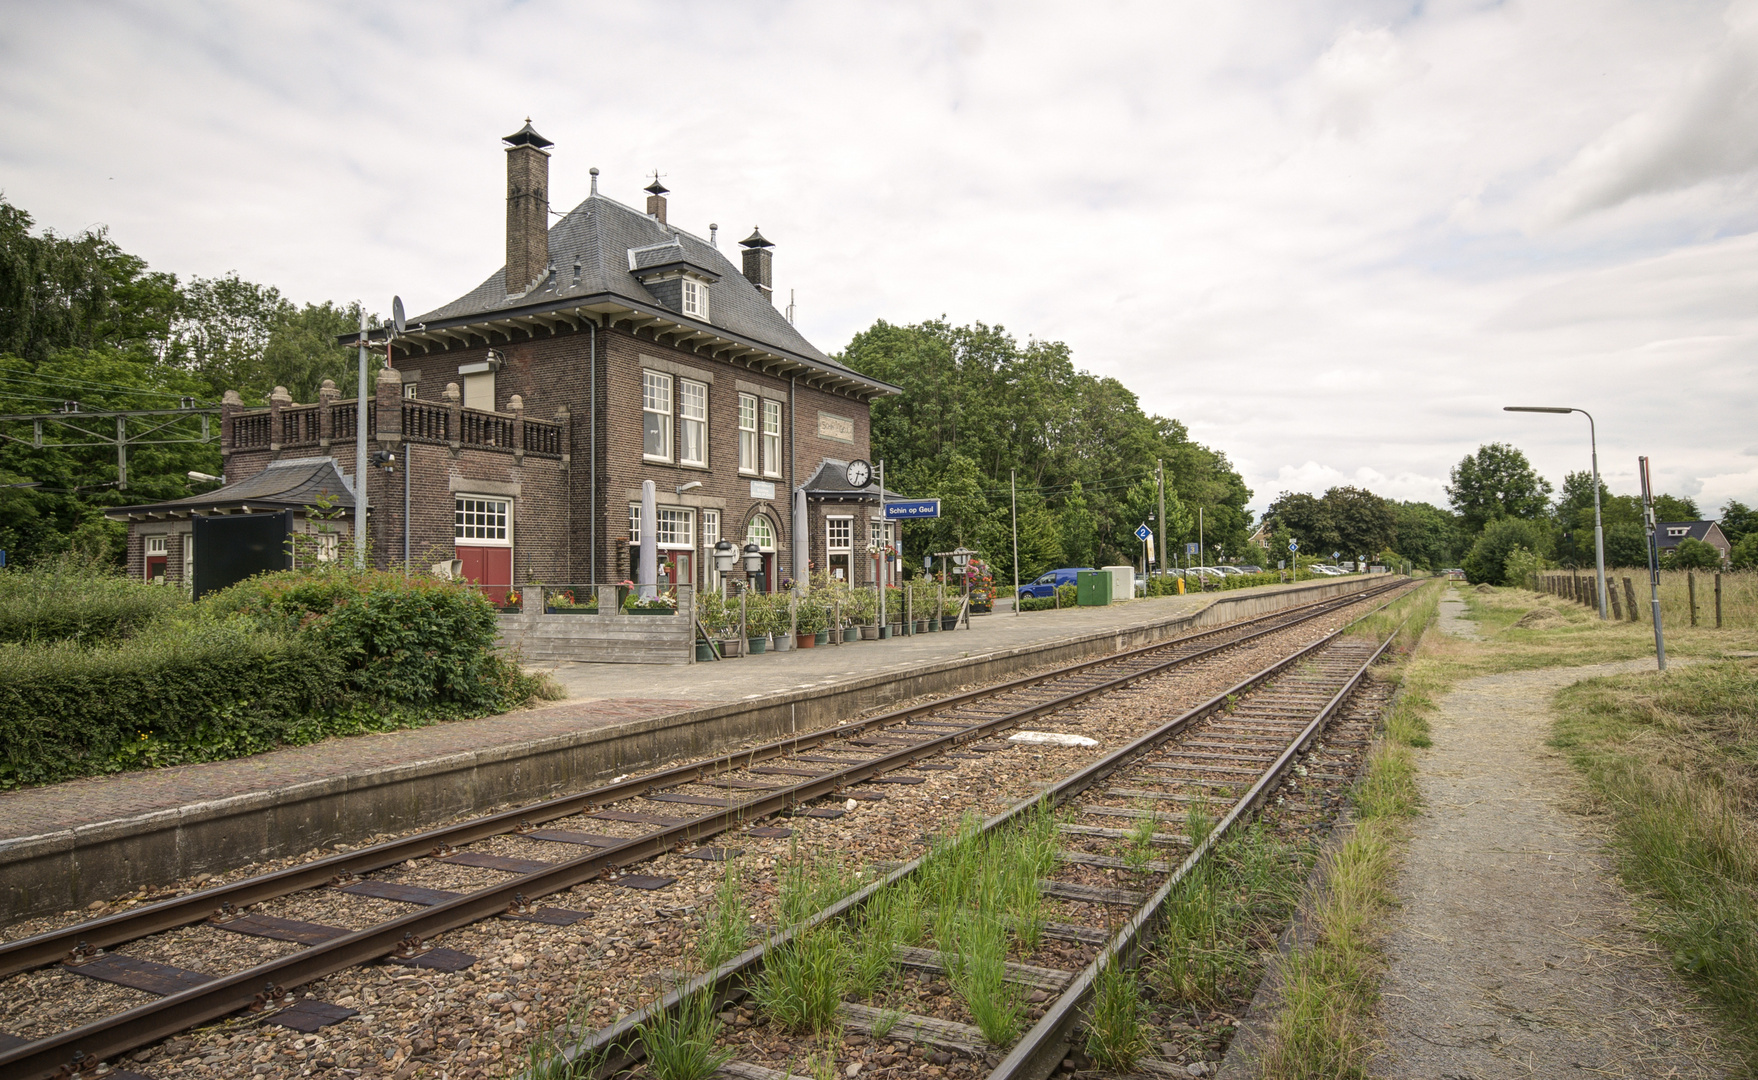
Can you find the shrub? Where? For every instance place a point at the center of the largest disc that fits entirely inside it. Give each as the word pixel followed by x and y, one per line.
pixel 70 598
pixel 413 641
pixel 1693 554
pixel 1486 563
pixel 1745 553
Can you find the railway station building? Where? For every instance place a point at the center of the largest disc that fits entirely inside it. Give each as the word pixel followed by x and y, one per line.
pixel 515 425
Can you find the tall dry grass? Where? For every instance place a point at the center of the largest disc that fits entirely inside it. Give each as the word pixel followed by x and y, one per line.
pixel 1739 595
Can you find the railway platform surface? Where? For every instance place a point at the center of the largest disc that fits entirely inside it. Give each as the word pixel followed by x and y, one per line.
pixel 64 844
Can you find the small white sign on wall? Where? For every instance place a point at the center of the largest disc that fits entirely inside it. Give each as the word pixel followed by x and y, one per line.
pixel 832 426
pixel 762 489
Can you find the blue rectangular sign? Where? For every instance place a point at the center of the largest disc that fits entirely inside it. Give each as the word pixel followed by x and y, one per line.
pixel 914 508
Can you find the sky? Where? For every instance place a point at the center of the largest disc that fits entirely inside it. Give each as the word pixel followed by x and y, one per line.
pixel 1332 238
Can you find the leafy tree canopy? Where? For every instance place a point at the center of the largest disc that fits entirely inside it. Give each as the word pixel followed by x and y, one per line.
pixel 1497 482
pixel 978 405
pixel 1348 520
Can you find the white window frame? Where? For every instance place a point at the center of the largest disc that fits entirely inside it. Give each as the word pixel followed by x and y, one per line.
pixel 665 519
pixel 748 413
pixel 1686 531
pixel 158 545
pixel 695 298
pixel 692 420
pixel 710 528
pixel 492 525
pixel 771 439
pixel 328 544
pixel 831 528
pixel 656 400
pixel 751 533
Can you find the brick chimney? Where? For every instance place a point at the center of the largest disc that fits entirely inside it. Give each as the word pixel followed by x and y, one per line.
pixel 527 208
pixel 656 198
pixel 758 268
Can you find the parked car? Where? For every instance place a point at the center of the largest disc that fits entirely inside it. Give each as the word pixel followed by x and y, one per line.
pixel 1046 585
pixel 1230 571
pixel 1251 569
pixel 1202 572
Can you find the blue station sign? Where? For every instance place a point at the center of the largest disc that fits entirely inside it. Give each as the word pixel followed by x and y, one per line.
pixel 912 509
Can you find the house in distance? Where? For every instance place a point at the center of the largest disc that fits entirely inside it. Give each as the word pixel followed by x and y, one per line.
pixel 517 423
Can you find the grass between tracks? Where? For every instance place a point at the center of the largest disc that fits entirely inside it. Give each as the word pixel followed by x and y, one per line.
pixel 1324 1019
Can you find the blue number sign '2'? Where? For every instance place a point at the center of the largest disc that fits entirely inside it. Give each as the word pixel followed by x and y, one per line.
pixel 1142 533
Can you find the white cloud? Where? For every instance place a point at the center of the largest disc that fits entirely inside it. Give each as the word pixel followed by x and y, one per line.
pixel 1705 129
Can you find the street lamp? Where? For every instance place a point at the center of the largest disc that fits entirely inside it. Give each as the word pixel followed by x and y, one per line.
pixel 1598 526
pixel 726 557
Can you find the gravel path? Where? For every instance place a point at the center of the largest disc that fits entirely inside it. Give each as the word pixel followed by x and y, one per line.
pixel 1516 952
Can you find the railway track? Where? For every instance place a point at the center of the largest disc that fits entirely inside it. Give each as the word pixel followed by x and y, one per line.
pixel 1268 732
pixel 621 825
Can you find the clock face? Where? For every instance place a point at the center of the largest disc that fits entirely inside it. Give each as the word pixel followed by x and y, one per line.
pixel 859 473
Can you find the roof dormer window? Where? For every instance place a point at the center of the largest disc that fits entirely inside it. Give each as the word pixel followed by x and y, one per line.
pixel 695 298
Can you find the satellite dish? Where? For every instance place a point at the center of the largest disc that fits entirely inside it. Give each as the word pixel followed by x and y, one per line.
pixel 398 323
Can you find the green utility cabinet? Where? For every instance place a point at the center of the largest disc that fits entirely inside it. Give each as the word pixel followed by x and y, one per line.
pixel 1092 588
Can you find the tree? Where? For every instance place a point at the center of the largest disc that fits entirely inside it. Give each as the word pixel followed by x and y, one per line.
pixel 1023 408
pixel 1672 508
pixel 1496 482
pixel 1427 535
pixel 1745 553
pixel 1486 562
pixel 1305 518
pixel 1692 554
pixel 1363 522
pixel 1737 520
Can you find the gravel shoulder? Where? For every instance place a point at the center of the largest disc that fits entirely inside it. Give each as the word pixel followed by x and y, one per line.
pixel 1516 952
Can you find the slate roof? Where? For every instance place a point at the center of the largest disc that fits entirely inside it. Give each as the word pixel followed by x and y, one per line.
pixel 596 237
pixel 830 481
pixel 294 483
pixel 1696 530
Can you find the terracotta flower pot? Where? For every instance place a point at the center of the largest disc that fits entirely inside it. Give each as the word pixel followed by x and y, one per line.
pixel 805 641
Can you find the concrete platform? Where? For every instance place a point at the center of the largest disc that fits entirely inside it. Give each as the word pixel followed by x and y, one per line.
pixel 64 845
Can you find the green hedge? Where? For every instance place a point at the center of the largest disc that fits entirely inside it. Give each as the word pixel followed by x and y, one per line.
pixel 73 599
pixel 411 641
pixel 187 692
pixel 282 659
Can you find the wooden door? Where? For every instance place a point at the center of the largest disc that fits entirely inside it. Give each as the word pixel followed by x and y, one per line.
pixel 489 569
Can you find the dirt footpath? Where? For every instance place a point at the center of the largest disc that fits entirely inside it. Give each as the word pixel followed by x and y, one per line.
pixel 1515 952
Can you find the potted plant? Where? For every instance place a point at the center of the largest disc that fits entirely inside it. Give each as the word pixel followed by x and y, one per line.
pixel 982 582
pixel 513 602
pixel 568 601
pixel 949 613
pixel 758 609
pixel 710 614
pixel 810 623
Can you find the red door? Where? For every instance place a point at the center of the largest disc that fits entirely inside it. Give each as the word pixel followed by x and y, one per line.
pixel 675 567
pixel 489 569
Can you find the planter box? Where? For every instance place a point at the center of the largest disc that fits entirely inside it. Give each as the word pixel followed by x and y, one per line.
pixel 922 626
pixel 649 611
pixel 949 622
pixel 874 633
pixel 805 641
pixel 730 647
pixel 570 611
pixel 758 645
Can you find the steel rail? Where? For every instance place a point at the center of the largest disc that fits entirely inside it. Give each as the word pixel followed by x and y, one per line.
pixel 613 1048
pixel 52 946
pixel 1037 1054
pixel 176 1012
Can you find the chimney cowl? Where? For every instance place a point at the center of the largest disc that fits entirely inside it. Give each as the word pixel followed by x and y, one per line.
pixel 759 263
pixel 527 136
pixel 656 193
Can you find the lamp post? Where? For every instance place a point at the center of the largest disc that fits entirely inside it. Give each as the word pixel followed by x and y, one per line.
pixel 1598 526
pixel 726 557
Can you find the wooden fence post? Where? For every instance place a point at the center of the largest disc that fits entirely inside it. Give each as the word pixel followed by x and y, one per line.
pixel 1617 609
pixel 1691 591
pixel 1630 596
pixel 1718 599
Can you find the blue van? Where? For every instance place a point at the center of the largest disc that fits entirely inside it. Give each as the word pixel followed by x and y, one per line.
pixel 1045 586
